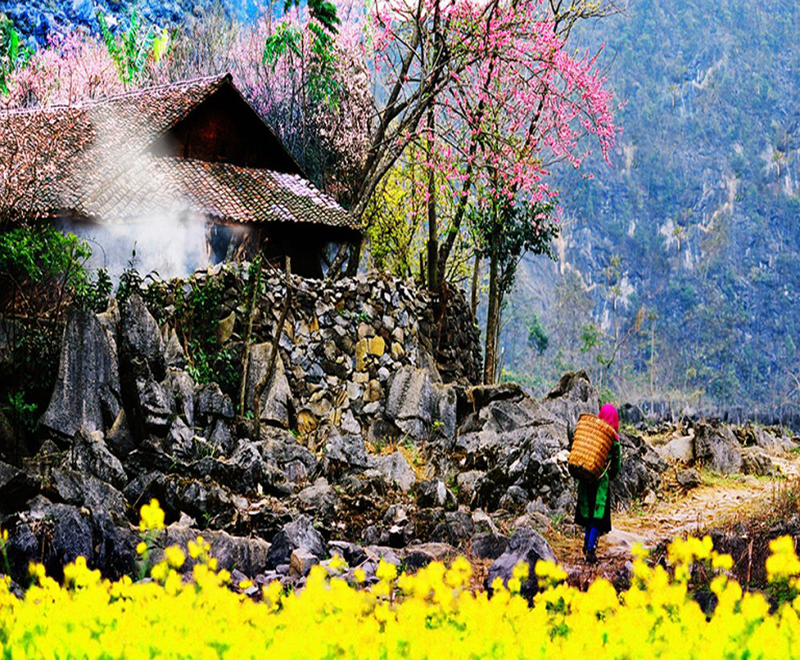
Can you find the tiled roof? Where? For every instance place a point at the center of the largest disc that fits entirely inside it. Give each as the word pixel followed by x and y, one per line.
pixel 222 191
pixel 92 160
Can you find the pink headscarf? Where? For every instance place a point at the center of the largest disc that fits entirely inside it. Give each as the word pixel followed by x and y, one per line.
pixel 608 413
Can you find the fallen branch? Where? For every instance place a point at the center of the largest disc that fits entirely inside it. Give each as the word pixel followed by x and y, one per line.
pixel 251 312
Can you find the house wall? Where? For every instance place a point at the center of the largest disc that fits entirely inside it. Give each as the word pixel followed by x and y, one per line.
pixel 225 129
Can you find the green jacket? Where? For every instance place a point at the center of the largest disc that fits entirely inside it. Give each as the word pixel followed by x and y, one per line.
pixel 593 499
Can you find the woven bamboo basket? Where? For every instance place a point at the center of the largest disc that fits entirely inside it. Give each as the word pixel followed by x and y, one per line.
pixel 590 448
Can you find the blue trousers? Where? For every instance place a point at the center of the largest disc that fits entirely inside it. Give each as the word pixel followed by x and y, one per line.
pixel 590 538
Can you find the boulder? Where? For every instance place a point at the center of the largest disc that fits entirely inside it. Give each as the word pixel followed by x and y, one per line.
pixel 418 555
pixel 394 469
pixel 180 440
pixel 180 386
pixel 434 493
pixel 119 439
pixel 152 405
pixel 456 528
pixel 678 449
pixel 248 555
pixel 141 346
pixel 174 356
pixel 202 500
pixel 353 554
pixel 87 390
pixel 410 404
pixel 319 500
pixel 758 462
pixel 221 438
pixel 688 479
pixel 276 400
pixel 297 534
pixel 346 450
pixel 717 448
pixel 573 396
pixel 525 545
pixel 82 489
pixel 52 534
pixel 487 545
pixel 301 561
pixel 281 449
pixel 642 468
pixel 212 403
pixel 482 395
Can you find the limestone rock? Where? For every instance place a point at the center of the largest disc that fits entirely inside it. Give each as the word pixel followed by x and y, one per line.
pixel 688 479
pixel 225 328
pixel 16 487
pixel 87 390
pixel 276 400
pixel 525 545
pixel 395 470
pixel 410 401
pixel 717 448
pixel 679 449
pixel 248 555
pixel 89 454
pixel 297 534
pixel 348 450
pixel 756 461
pixel 301 561
pixel 211 402
pixel 573 396
pixel 141 346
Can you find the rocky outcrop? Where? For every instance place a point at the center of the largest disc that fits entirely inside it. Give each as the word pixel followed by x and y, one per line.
pixel 87 392
pixel 362 449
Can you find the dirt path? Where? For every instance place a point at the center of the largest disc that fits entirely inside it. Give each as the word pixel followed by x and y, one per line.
pixel 717 501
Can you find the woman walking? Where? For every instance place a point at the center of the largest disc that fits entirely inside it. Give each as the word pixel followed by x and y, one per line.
pixel 594 505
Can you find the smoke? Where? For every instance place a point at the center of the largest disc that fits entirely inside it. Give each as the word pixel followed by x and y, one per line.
pixel 169 244
pixel 133 191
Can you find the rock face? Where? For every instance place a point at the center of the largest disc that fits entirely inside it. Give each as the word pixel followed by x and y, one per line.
pixel 573 396
pixel 276 401
pixel 717 448
pixel 87 393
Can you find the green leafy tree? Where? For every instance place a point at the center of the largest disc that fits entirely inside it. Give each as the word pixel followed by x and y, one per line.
pixel 132 50
pixel 13 53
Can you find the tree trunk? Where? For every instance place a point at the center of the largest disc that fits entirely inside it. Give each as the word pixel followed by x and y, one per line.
pixel 476 268
pixel 433 245
pixel 492 316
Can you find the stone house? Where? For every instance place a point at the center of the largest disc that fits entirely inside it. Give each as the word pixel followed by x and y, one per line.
pixel 188 171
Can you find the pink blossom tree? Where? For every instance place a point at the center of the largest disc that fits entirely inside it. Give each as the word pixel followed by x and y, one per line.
pixel 503 100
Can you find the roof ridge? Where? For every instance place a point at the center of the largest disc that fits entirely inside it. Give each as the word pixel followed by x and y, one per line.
pixel 212 82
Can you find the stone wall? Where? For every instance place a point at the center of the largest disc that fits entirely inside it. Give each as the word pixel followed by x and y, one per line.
pixel 341 345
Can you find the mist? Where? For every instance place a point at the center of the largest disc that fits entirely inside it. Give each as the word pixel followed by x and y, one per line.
pixel 172 244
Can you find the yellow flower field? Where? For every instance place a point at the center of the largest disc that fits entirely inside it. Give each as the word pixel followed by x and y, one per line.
pixel 431 614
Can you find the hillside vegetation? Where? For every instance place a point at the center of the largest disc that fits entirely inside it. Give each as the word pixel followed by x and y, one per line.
pixel 690 241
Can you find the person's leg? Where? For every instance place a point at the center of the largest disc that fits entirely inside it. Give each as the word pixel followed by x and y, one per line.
pixel 586 534
pixel 592 537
